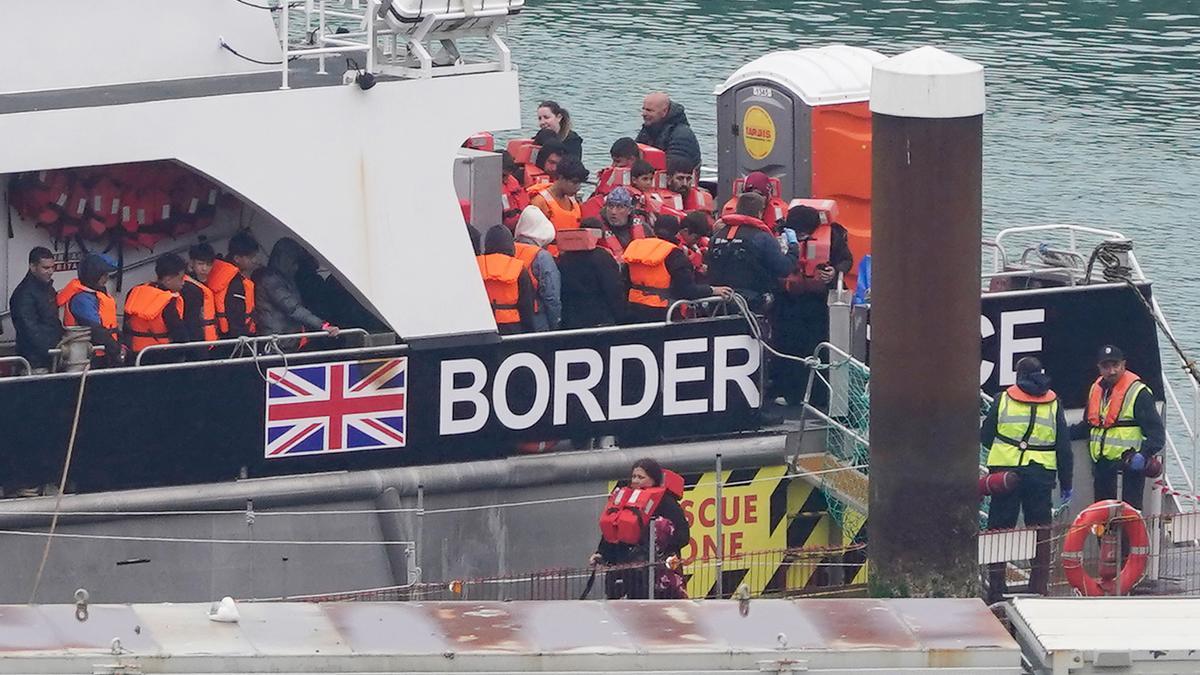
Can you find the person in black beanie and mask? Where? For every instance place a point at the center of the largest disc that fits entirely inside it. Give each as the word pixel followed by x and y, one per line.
pixel 802 309
pixel 1026 433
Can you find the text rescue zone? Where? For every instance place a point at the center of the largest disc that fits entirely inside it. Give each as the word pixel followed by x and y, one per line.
pixel 472 398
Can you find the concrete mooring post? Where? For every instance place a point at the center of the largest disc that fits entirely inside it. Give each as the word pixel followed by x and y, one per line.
pixel 927 173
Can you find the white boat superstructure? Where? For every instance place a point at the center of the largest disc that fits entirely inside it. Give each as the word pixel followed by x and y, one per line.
pixel 360 175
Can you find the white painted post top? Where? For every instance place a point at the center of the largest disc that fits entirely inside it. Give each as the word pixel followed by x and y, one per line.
pixel 927 83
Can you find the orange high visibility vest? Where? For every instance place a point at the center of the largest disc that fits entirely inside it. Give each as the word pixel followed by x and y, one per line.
pixel 501 275
pixel 208 313
pixel 649 280
pixel 108 306
pixel 144 309
pixel 219 279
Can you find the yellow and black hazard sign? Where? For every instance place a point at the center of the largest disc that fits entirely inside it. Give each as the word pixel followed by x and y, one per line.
pixel 765 516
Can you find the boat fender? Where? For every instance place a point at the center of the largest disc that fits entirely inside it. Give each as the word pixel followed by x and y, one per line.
pixel 998 483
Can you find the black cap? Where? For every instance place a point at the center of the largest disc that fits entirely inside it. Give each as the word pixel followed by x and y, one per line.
pixel 1110 353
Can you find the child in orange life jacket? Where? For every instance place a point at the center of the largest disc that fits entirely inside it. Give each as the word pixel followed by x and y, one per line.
pixel 513 197
pixel 558 201
pixel 694 231
pixel 625 528
pixel 154 311
pixel 232 288
pixel 199 305
pixel 642 176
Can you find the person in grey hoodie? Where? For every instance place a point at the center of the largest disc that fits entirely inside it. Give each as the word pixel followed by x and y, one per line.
pixel 278 308
pixel 533 233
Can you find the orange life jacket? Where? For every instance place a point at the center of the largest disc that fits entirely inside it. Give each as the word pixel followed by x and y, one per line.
pixel 814 251
pixel 699 199
pixel 563 218
pixel 1018 394
pixel 649 280
pixel 737 220
pixel 628 513
pixel 501 276
pixel 526 253
pixel 108 306
pixel 145 306
pixel 208 313
pixel 1116 401
pixel 629 510
pixel 513 199
pixel 222 275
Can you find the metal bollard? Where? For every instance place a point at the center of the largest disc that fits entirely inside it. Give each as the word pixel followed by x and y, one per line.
pixel 76 347
pixel 650 571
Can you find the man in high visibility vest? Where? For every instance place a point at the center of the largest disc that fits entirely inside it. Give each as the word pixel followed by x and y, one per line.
pixel 1123 428
pixel 1026 433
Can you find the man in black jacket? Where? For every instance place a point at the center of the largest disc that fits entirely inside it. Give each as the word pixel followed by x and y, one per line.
pixel 744 254
pixel 665 126
pixel 35 313
pixel 592 294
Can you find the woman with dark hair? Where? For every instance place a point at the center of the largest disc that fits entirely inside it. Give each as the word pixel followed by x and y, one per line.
pixel 553 119
pixel 650 500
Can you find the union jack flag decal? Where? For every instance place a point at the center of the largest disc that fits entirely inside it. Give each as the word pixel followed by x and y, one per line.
pixel 336 407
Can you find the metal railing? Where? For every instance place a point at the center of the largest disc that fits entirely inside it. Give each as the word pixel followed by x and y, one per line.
pixel 1172 560
pixel 791 572
pixel 249 344
pixel 17 360
pixel 322 44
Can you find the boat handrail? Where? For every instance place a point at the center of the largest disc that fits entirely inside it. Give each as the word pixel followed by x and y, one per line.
pixel 1066 227
pixel 687 303
pixel 19 360
pixel 252 341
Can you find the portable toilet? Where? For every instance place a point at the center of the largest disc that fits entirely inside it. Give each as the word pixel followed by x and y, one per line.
pixel 802 116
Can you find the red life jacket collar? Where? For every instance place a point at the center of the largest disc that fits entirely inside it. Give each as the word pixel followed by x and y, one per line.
pixel 1018 394
pixel 738 220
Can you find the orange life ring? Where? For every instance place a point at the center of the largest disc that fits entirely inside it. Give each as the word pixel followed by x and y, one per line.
pixel 1101 514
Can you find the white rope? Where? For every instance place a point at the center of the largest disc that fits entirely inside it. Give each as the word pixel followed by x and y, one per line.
pixel 62 483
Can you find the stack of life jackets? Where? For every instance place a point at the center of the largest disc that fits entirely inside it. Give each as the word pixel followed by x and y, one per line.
pixel 222 275
pixel 649 279
pixel 627 515
pixel 107 305
pixel 141 203
pixel 145 307
pixel 513 200
pixel 501 278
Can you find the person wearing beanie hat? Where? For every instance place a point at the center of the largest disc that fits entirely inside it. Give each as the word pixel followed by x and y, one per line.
pixel 1123 428
pixel 760 183
pixel 618 225
pixel 1026 434
pixel 507 282
pixel 802 310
